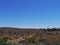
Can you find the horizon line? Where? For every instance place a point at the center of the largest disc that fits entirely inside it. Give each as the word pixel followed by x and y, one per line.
pixel 27 27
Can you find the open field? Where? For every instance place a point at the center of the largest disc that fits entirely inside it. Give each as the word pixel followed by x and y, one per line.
pixel 18 36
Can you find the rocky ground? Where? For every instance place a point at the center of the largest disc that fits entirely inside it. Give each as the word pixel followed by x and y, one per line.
pixel 18 35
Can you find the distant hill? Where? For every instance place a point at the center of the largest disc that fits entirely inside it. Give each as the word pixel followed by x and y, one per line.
pixel 12 28
pixel 19 30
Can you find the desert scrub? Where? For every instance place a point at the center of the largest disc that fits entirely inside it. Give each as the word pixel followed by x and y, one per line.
pixel 3 40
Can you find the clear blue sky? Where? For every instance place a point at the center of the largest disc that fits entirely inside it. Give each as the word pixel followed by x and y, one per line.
pixel 30 13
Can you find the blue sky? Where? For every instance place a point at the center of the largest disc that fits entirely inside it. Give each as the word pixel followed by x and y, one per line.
pixel 30 13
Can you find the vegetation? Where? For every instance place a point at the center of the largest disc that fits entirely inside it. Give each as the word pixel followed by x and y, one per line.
pixel 49 36
pixel 3 40
pixel 31 40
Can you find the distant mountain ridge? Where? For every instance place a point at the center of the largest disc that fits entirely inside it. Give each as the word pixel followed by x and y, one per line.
pixel 13 28
pixel 16 29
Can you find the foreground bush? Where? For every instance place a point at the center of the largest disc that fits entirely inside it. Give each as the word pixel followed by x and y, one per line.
pixel 3 40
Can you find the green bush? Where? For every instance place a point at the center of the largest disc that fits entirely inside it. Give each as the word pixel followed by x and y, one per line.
pixel 3 40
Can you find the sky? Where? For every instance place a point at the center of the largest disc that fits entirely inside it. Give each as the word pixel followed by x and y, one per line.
pixel 30 13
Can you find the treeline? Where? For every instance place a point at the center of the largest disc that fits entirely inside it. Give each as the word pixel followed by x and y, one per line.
pixel 51 29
